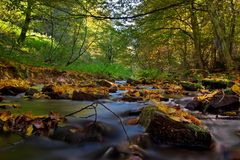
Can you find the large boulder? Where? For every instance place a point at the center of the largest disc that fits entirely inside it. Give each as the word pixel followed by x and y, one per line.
pixel 83 96
pixel 164 130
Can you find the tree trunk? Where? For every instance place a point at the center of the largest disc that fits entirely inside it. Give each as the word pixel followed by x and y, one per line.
pixel 27 21
pixel 196 38
pixel 220 33
pixel 231 36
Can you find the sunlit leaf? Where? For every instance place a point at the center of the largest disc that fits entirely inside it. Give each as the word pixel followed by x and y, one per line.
pixel 175 118
pixel 137 94
pixel 4 116
pixel 236 88
pixel 29 130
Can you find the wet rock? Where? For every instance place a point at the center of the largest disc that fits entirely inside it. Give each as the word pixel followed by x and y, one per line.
pixel 195 105
pixel 189 86
pixel 49 91
pixel 145 81
pixel 217 84
pixel 104 83
pixel 9 106
pixel 217 104
pixel 128 98
pixel 31 91
pixel 223 103
pixel 164 99
pixel 48 88
pixel 143 140
pixel 69 134
pixel 113 89
pixel 90 132
pixel 82 96
pixel 133 82
pixel 11 90
pixel 164 130
pixel 54 95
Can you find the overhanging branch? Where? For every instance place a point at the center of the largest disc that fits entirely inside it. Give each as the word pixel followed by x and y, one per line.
pixel 105 17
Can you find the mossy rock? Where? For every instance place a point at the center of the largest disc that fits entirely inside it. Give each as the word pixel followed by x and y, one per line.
pixel 217 83
pixel 164 130
pixel 189 86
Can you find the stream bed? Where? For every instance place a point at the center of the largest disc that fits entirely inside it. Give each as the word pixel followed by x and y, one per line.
pixel 14 147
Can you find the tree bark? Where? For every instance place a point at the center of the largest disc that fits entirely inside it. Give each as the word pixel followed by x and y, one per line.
pixel 196 38
pixel 27 21
pixel 220 34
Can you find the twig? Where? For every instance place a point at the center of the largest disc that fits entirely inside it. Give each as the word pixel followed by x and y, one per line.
pixel 95 109
pixel 88 116
pixel 70 114
pixel 94 105
pixel 118 118
pixel 222 97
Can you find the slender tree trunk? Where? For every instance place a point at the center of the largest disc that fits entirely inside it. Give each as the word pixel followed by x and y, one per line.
pixel 27 21
pixel 231 36
pixel 196 38
pixel 220 33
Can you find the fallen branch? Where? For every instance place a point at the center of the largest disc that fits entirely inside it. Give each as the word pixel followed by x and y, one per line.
pixel 94 105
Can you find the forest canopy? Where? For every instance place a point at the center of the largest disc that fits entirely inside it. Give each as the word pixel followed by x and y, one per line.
pixel 145 35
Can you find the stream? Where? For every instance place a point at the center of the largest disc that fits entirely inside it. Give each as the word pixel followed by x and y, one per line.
pixel 14 147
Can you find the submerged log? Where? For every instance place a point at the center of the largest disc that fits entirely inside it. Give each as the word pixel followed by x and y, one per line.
pixel 164 130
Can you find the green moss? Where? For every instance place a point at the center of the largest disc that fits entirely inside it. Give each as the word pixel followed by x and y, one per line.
pixel 145 116
pixel 196 128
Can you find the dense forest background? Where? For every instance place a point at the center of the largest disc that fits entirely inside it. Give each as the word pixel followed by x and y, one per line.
pixel 122 37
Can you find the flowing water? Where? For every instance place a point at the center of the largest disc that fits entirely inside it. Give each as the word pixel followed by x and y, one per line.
pixel 14 147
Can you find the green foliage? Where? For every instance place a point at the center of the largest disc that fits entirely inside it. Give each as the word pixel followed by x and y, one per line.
pixel 97 67
pixel 155 74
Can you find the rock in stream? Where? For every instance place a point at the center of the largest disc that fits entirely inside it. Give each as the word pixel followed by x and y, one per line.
pixel 164 130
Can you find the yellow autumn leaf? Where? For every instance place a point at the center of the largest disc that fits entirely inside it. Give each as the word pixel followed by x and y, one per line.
pixel 175 118
pixel 171 110
pixel 236 88
pixel 5 128
pixel 207 96
pixel 84 89
pixel 137 94
pixel 29 130
pixel 4 116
